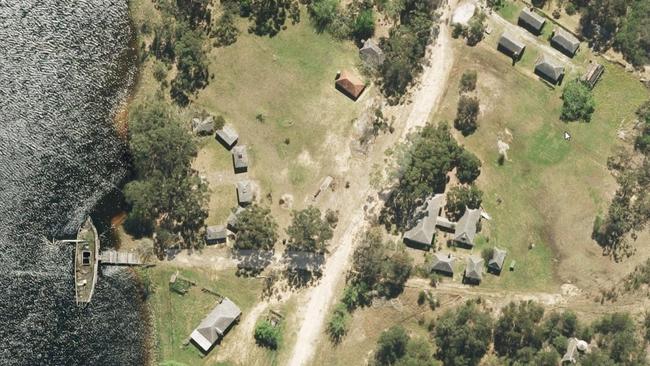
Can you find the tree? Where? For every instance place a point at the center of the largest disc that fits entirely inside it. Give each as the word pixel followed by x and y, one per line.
pixel 642 142
pixel 364 25
pixel 391 346
pixel 196 12
pixel 476 28
pixel 338 325
pixel 463 335
pixel 322 13
pixel 256 229
pixel 617 335
pixel 539 3
pixel 468 81
pixel 600 20
pixel 226 31
pixel 268 16
pixel 308 231
pixel 468 167
pixel 267 335
pixel 578 102
pixel 518 327
pixel 460 197
pixel 418 353
pixel 633 37
pixel 468 108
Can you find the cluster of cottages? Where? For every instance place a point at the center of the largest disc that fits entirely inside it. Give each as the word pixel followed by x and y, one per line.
pixel 546 66
pixel 463 234
pixel 228 137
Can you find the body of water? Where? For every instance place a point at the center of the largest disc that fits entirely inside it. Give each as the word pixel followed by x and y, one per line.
pixel 65 66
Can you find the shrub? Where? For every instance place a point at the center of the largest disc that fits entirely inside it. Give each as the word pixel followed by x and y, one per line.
pixel 570 8
pixel 391 345
pixel 267 335
pixel 468 81
pixel 338 324
pixel 364 25
pixel 468 167
pixel 467 114
pixel 578 102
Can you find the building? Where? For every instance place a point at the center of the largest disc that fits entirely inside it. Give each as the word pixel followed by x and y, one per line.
pixel 443 264
pixel 511 46
pixel 227 136
pixel 549 69
pixel 593 74
pixel 240 158
pixel 231 223
pixel 216 234
pixel 466 227
pixel 216 324
pixel 474 269
pixel 495 264
pixel 422 234
pixel 349 84
pixel 371 54
pixel 245 192
pixel 571 354
pixel 203 126
pixel 532 21
pixel 564 41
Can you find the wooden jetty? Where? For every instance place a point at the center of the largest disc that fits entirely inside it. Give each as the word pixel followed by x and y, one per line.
pixel 85 263
pixel 114 257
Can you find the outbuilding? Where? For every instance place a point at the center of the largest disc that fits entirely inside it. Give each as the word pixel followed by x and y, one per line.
pixel 443 264
pixel 371 54
pixel 216 234
pixel 549 69
pixel 564 41
pixel 421 235
pixel 245 192
pixel 216 324
pixel 474 269
pixel 240 158
pixel 203 126
pixel 532 21
pixel 349 84
pixel 227 136
pixel 495 263
pixel 511 46
pixel 466 227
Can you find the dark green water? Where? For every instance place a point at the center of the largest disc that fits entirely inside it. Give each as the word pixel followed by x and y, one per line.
pixel 64 68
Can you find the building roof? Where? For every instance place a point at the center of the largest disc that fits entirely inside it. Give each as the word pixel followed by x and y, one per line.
pixel 549 68
pixel 371 54
pixel 203 126
pixel 565 41
pixel 466 226
pixel 232 219
pixel 512 44
pixel 216 232
pixel 474 269
pixel 350 84
pixel 423 232
pixel 216 324
pixel 571 351
pixel 593 73
pixel 245 191
pixel 531 20
pixel 497 260
pixel 443 263
pixel 228 135
pixel 240 157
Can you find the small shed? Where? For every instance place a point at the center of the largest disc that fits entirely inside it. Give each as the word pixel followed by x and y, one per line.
pixel 532 21
pixel 474 269
pixel 227 136
pixel 245 192
pixel 549 69
pixel 371 54
pixel 511 46
pixel 349 84
pixel 203 126
pixel 421 235
pixel 495 264
pixel 216 234
pixel 443 264
pixel 593 74
pixel 240 158
pixel 466 227
pixel 216 324
pixel 564 41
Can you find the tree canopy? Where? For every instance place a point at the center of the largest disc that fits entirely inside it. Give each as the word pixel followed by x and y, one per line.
pixel 256 229
pixel 460 197
pixel 467 115
pixel 308 231
pixel 578 101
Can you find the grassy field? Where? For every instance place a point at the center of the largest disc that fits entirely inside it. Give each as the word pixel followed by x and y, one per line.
pixel 546 188
pixel 175 315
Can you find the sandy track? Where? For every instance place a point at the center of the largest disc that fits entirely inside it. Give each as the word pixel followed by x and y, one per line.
pixel 426 98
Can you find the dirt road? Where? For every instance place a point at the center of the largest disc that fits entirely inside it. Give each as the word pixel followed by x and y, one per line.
pixel 425 99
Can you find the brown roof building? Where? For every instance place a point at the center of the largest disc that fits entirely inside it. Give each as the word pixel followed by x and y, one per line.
pixel 350 85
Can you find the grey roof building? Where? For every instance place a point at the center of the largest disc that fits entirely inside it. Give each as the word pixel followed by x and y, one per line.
pixel 203 126
pixel 443 263
pixel 216 324
pixel 240 158
pixel 215 234
pixel 466 227
pixel 511 45
pixel 532 21
pixel 421 235
pixel 371 54
pixel 549 69
pixel 565 41
pixel 495 264
pixel 571 351
pixel 245 192
pixel 227 136
pixel 474 269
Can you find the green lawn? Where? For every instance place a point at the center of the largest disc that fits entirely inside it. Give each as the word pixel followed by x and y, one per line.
pixel 510 11
pixel 175 315
pixel 548 191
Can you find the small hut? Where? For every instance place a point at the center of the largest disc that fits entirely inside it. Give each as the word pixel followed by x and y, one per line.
pixel 349 84
pixel 371 54
pixel 549 69
pixel 532 21
pixel 564 41
pixel 511 46
pixel 240 158
pixel 227 136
